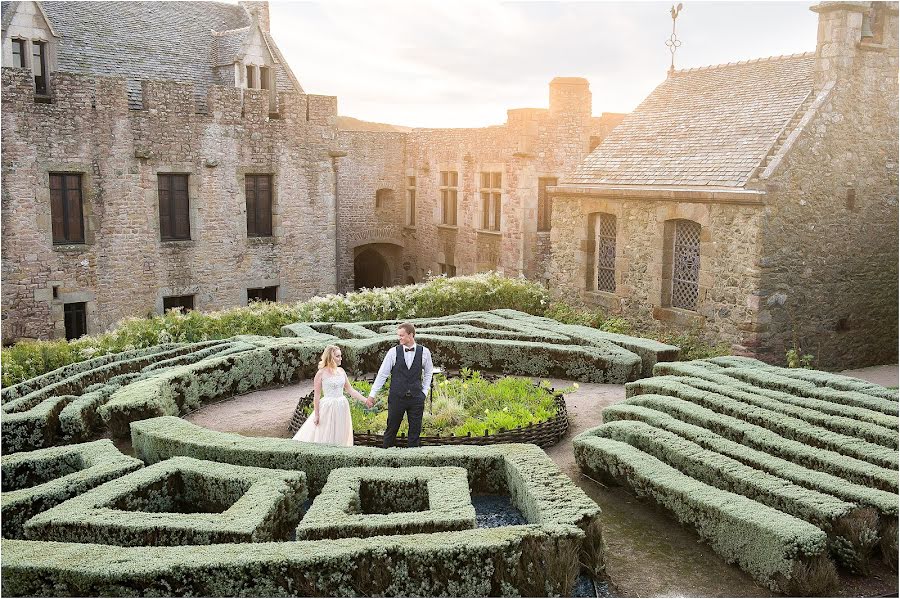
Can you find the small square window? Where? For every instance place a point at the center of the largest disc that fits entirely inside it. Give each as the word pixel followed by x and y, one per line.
pixel 262 294
pixel 183 303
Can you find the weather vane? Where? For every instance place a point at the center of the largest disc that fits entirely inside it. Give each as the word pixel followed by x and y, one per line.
pixel 673 42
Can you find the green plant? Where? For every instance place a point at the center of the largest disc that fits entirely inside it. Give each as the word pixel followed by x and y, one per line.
pixel 468 404
pixel 797 359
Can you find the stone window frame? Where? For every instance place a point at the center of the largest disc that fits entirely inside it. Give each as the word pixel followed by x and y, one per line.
pixel 164 292
pixel 671 228
pixel 241 181
pixel 490 195
pixel 66 305
pixel 409 217
pixel 23 44
pixel 68 236
pixel 89 198
pixel 384 198
pixel 194 214
pixel 544 210
pixel 601 221
pixel 57 309
pixel 444 185
pixel 262 283
pixel 610 301
pixel 257 235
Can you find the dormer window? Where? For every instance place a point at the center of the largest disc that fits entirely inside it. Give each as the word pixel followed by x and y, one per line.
pixel 251 80
pixel 18 53
pixel 39 66
pixel 264 77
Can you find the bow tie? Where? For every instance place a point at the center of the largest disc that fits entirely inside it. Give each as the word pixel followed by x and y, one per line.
pixel 409 349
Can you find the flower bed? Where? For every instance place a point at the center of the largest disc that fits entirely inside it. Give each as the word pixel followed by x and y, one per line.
pixel 469 409
pixel 726 442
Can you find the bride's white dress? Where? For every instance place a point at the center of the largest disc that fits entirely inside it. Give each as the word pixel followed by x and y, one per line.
pixel 335 426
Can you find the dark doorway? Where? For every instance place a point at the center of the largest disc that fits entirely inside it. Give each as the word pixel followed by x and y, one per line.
pixel 370 270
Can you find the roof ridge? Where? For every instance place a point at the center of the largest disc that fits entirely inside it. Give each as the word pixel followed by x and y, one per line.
pixel 748 61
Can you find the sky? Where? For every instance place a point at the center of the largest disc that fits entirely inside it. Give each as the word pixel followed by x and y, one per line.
pixel 463 63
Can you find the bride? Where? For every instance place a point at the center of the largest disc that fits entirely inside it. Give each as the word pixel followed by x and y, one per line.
pixel 330 421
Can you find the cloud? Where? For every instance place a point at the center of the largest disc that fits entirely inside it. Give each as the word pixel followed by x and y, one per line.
pixel 463 63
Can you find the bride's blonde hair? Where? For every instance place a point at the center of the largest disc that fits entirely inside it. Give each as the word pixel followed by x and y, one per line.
pixel 327 360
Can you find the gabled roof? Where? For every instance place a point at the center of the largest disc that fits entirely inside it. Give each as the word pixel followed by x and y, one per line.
pixel 709 126
pixel 8 9
pixel 180 41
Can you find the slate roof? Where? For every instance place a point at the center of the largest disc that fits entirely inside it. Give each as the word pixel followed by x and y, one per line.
pixel 151 40
pixel 709 126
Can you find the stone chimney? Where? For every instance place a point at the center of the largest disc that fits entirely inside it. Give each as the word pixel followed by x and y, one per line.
pixel 840 32
pixel 570 95
pixel 258 11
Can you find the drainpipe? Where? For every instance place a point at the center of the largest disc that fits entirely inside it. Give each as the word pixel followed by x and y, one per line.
pixel 335 154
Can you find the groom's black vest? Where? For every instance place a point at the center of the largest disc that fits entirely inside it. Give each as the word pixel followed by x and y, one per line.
pixel 405 379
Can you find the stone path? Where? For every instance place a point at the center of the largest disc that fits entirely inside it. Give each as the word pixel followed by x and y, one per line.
pixel 648 553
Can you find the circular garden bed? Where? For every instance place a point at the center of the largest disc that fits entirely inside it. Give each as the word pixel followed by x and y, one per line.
pixel 467 408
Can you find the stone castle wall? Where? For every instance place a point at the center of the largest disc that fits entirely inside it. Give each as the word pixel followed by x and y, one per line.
pixel 829 258
pixel 124 269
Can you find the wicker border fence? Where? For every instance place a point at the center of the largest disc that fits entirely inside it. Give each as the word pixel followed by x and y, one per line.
pixel 542 434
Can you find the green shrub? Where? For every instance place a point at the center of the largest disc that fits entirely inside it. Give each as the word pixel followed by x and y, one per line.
pixel 181 501
pixel 782 424
pixel 468 403
pixel 35 481
pixel 758 437
pixel 367 502
pixel 766 543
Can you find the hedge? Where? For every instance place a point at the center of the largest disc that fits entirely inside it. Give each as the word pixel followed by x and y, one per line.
pixel 771 546
pixel 367 502
pixel 36 481
pixel 830 513
pixel 787 426
pixel 820 378
pixel 883 501
pixel 727 384
pixel 757 437
pixel 537 559
pixel 845 425
pixel 181 501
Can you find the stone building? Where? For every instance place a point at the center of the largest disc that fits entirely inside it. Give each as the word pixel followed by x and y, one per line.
pixel 156 154
pixel 755 201
pixel 461 201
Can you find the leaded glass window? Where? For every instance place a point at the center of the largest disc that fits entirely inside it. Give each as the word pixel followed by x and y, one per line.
pixel 686 265
pixel 606 252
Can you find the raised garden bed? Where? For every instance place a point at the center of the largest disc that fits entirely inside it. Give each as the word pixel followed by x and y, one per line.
pixel 543 434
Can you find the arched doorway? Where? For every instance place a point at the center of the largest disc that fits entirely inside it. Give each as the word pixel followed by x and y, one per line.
pixel 370 269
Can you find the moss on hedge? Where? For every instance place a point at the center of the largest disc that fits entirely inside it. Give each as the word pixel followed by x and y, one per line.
pixel 367 502
pixel 36 481
pixel 180 501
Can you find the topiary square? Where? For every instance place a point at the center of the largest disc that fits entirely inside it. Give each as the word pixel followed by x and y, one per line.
pixel 365 502
pixel 181 501
pixel 35 481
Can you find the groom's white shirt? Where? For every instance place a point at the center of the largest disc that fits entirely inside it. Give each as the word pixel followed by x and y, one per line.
pixel 387 365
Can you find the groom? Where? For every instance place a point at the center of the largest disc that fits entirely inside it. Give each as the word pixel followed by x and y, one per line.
pixel 410 368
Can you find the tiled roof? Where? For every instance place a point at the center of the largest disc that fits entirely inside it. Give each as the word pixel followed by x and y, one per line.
pixel 709 126
pixel 150 40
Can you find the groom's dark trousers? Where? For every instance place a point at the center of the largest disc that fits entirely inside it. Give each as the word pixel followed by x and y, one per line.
pixel 405 396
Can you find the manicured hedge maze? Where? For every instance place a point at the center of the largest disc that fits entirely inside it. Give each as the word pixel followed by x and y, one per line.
pixel 428 552
pixel 785 472
pixel 79 401
pixel 215 514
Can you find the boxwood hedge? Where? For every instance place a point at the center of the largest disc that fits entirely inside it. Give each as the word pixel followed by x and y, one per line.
pixel 35 481
pixel 540 558
pixel 180 501
pixel 773 439
pixel 367 502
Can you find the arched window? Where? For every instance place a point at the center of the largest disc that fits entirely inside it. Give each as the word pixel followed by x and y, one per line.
pixel 605 251
pixel 683 249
